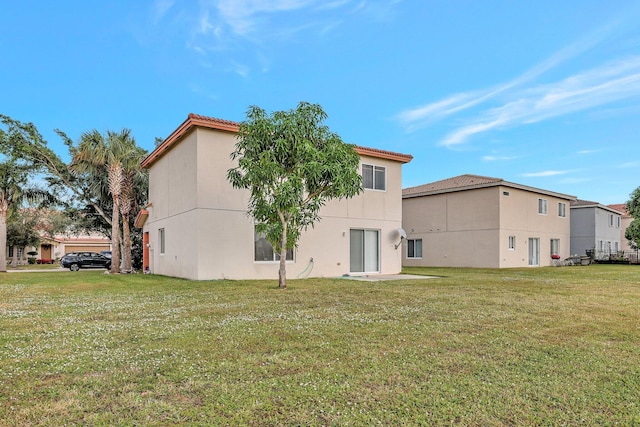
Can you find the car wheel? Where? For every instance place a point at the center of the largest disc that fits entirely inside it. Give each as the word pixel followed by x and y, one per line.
pixel 74 267
pixel 108 266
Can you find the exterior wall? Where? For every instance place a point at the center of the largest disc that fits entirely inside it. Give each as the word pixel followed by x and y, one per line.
pixel 458 229
pixel 519 217
pixel 591 229
pixel 208 234
pixel 583 230
pixel 471 228
pixel 624 243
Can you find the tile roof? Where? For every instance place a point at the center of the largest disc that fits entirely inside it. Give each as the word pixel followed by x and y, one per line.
pixel 622 208
pixel 471 182
pixel 589 204
pixel 457 182
pixel 580 202
pixel 195 120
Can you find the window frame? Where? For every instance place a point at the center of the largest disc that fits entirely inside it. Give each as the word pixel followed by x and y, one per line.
pixel 162 235
pixel 542 206
pixel 375 170
pixel 512 243
pixel 562 210
pixel 409 248
pixel 276 255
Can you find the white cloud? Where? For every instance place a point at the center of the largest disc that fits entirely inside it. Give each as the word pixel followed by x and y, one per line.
pixel 240 69
pixel 160 9
pixel 544 173
pixel 491 158
pixel 241 15
pixel 609 83
pixel 415 118
pixel 628 165
pixel 520 101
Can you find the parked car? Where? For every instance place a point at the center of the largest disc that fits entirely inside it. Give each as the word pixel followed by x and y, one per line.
pixel 106 253
pixel 74 261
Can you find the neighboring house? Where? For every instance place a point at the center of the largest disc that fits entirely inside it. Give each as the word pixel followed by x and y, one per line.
pixel 626 219
pixel 60 245
pixel 479 221
pixel 196 225
pixel 595 228
pixel 54 249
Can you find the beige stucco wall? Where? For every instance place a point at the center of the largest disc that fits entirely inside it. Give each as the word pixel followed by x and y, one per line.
pixel 209 236
pixel 624 243
pixel 472 228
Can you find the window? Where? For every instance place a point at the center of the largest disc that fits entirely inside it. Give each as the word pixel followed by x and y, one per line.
pixel 562 210
pixel 555 246
pixel 542 206
pixel 618 226
pixel 263 251
pixel 373 177
pixel 512 242
pixel 610 220
pixel 414 248
pixel 505 193
pixel 161 239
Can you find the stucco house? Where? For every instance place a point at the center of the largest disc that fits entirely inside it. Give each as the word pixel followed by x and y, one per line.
pixel 196 225
pixel 479 221
pixel 54 248
pixel 625 219
pixel 595 227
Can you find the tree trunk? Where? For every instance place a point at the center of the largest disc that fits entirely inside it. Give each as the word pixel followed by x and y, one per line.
pixel 3 241
pixel 126 245
pixel 115 238
pixel 282 273
pixel 14 260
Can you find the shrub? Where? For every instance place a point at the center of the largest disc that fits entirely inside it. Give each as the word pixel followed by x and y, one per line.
pixel 31 260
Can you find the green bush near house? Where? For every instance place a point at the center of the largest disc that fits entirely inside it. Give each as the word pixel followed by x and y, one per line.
pixel 544 346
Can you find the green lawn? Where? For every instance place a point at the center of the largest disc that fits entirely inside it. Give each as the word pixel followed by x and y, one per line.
pixel 545 346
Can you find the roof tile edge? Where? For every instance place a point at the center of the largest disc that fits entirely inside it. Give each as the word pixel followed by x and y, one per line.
pixel 194 120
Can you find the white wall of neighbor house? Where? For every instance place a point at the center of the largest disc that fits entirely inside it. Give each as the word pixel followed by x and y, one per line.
pixel 208 234
pixel 595 228
pixel 474 228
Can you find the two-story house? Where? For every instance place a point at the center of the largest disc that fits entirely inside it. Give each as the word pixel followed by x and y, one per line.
pixel 626 219
pixel 196 225
pixel 595 228
pixel 479 221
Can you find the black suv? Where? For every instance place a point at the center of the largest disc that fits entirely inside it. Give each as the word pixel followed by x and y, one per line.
pixel 74 261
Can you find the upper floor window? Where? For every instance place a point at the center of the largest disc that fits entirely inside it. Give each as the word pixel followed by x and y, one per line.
pixel 414 248
pixel 161 239
pixel 373 177
pixel 263 251
pixel 562 209
pixel 618 226
pixel 610 220
pixel 542 206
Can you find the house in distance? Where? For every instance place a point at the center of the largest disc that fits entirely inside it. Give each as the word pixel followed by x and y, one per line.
pixel 479 221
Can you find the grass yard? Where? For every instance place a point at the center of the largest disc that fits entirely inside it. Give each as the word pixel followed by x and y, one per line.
pixel 545 346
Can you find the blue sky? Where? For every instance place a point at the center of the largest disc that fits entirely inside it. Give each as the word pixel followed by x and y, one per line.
pixel 543 93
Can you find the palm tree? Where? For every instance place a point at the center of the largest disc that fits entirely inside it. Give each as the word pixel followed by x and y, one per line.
pixel 98 156
pixel 134 177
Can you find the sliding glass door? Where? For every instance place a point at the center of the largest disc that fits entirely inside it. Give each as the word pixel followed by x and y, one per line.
pixel 364 251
